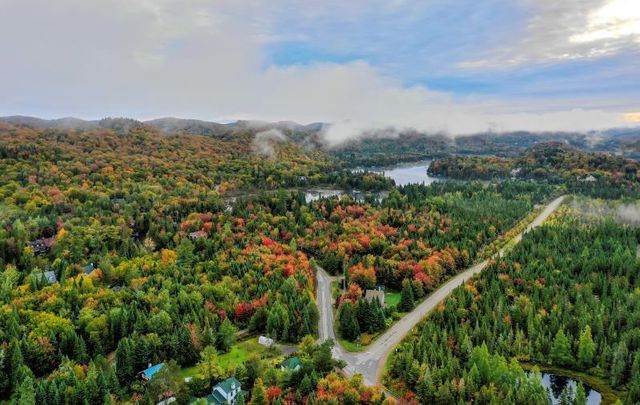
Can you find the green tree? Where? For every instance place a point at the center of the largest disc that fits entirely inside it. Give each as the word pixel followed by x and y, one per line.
pixel 208 366
pixel 561 350
pixel 407 302
pixel 226 336
pixel 586 348
pixel 581 396
pixel 26 394
pixel 349 327
pixel 258 393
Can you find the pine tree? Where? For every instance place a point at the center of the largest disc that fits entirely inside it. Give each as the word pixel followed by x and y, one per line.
pixel 566 396
pixel 561 350
pixel 349 327
pixel 586 348
pixel 26 394
pixel 226 335
pixel 124 362
pixel 581 396
pixel 258 394
pixel 407 302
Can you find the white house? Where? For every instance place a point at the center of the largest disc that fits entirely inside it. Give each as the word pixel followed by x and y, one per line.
pixel 225 392
pixel 265 341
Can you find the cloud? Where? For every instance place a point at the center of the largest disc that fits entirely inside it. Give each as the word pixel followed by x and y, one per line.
pixel 567 30
pixel 210 60
pixel 264 142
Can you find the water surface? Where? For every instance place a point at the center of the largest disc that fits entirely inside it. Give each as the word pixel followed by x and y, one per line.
pixel 556 383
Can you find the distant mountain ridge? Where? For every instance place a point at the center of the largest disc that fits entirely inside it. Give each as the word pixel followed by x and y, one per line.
pixel 381 146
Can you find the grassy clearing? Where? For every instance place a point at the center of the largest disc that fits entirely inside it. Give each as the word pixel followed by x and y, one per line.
pixel 351 346
pixel 239 353
pixel 392 298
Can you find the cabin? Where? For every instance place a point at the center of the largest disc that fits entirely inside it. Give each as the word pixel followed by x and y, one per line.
pixel 291 364
pixel 197 235
pixel 48 277
pixel 88 269
pixel 377 294
pixel 265 341
pixel 225 392
pixel 148 373
pixel 42 245
pixel 587 179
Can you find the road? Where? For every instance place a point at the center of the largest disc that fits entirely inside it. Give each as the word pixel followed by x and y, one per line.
pixel 370 363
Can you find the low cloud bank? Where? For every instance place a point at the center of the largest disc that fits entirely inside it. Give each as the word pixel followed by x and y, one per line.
pixel 264 143
pixel 623 213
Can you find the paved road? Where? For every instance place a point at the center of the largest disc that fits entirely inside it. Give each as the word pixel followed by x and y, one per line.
pixel 371 362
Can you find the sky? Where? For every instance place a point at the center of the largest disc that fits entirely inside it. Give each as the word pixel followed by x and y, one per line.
pixel 455 66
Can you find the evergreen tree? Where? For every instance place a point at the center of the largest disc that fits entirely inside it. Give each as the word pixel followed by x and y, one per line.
pixel 561 350
pixel 226 335
pixel 258 393
pixel 349 327
pixel 26 394
pixel 566 396
pixel 586 348
pixel 581 396
pixel 125 370
pixel 407 302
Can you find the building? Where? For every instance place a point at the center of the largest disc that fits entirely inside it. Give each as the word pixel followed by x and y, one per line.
pixel 197 235
pixel 291 364
pixel 265 341
pixel 88 269
pixel 376 294
pixel 225 392
pixel 48 277
pixel 148 374
pixel 42 245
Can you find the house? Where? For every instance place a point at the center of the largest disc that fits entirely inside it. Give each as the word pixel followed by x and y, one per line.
pixel 148 374
pixel 265 341
pixel 291 364
pixel 589 179
pixel 376 294
pixel 88 269
pixel 225 392
pixel 48 277
pixel 197 235
pixel 42 245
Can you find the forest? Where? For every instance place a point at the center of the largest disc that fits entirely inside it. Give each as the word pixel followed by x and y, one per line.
pixel 595 174
pixel 123 246
pixel 566 296
pixel 120 249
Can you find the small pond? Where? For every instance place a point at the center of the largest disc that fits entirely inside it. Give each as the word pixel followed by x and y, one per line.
pixel 556 383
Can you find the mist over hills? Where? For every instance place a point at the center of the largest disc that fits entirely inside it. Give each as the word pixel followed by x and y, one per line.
pixel 387 145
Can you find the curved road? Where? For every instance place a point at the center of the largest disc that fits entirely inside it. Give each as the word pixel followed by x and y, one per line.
pixel 370 363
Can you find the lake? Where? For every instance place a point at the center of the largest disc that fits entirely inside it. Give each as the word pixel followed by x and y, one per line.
pixel 407 173
pixel 556 383
pixel 402 174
